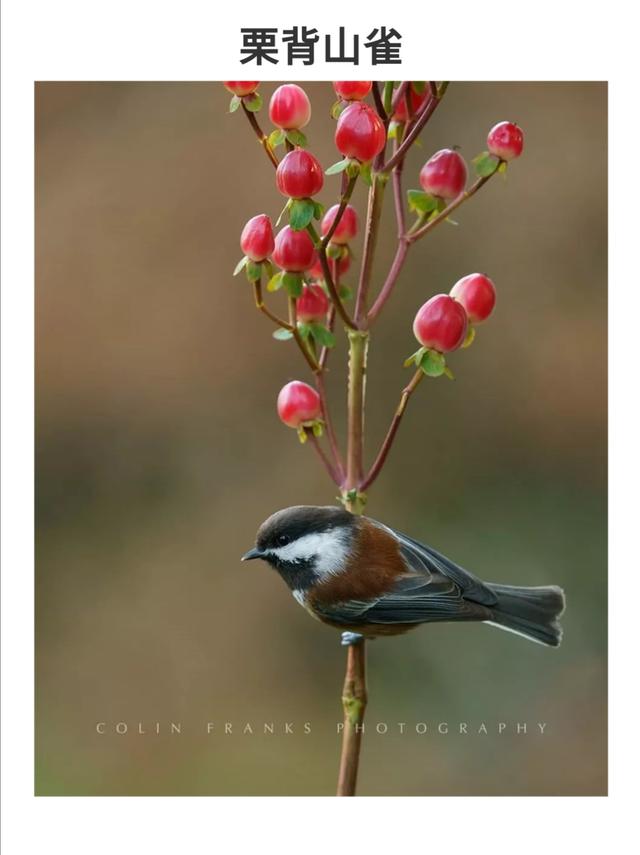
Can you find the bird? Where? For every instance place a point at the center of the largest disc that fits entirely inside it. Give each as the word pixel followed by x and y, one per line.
pixel 369 580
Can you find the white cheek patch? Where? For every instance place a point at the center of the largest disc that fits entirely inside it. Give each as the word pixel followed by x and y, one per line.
pixel 329 548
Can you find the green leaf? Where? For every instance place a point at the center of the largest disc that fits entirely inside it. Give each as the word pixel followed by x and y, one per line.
pixel 392 133
pixel 317 428
pixel 254 271
pixel 421 202
pixel 276 138
pixel 433 363
pixel 240 265
pixel 345 293
pixel 485 164
pixel 334 250
pixel 338 167
pixel 336 108
pixel 322 335
pixel 449 373
pixel 503 167
pixel 365 174
pixel 418 86
pixel 282 334
pixel 296 137
pixel 304 329
pixel 318 210
pixel 284 211
pixel 301 213
pixel 253 102
pixel 415 358
pixel 234 103
pixel 293 283
pixel 275 282
pixel 471 334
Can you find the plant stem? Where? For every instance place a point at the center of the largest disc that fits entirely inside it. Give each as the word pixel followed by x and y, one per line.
pixel 313 439
pixel 391 433
pixel 328 278
pixel 354 692
pixel 264 141
pixel 420 120
pixel 257 296
pixel 322 391
pixel 412 236
pixel 302 344
pixel 374 211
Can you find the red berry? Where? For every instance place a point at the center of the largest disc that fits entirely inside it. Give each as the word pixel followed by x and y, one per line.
pixel 360 132
pixel 352 90
pixel 343 264
pixel 241 87
pixel 298 403
pixel 299 174
pixel 347 227
pixel 313 305
pixel 293 251
pixel 417 100
pixel 289 107
pixel 441 324
pixel 477 294
pixel 256 239
pixel 444 174
pixel 506 141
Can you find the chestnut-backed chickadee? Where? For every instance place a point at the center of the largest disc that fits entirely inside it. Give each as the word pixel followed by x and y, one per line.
pixel 363 577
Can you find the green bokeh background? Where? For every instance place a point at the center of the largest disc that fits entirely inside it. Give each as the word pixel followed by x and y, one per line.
pixel 158 453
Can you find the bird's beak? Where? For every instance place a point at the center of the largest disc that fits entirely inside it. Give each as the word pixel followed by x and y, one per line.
pixel 251 554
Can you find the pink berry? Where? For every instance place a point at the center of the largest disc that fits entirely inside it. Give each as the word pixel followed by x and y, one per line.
pixel 256 239
pixel 298 403
pixel 289 107
pixel 294 251
pixel 506 141
pixel 299 174
pixel 241 87
pixel 441 324
pixel 417 100
pixel 313 305
pixel 477 294
pixel 360 132
pixel 343 264
pixel 347 227
pixel 352 90
pixel 444 174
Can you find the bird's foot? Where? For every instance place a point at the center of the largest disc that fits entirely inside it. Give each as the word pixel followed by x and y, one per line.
pixel 350 638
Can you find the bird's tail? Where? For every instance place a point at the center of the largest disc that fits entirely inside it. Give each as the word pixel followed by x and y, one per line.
pixel 531 612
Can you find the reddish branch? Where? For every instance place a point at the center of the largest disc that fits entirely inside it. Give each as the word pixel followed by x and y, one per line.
pixel 264 140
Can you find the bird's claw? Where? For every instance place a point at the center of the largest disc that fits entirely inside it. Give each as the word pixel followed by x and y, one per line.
pixel 350 638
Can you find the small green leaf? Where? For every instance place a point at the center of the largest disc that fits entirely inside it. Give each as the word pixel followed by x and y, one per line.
pixel 275 282
pixel 468 339
pixel 336 108
pixel 296 137
pixel 240 265
pixel 433 363
pixel 338 167
pixel 304 329
pixel 485 164
pixel 451 222
pixel 301 213
pixel 415 358
pixel 284 211
pixel 253 270
pixel 322 335
pixel 276 138
pixel 365 174
pixel 234 103
pixel 418 86
pixel 253 102
pixel 345 292
pixel 282 334
pixel 503 166
pixel 317 428
pixel 449 373
pixel 392 133
pixel 318 211
pixel 293 283
pixel 334 250
pixel 421 202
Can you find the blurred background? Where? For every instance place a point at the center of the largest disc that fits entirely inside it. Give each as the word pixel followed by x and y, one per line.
pixel 159 452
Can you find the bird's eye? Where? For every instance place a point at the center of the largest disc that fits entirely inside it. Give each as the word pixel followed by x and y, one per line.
pixel 283 539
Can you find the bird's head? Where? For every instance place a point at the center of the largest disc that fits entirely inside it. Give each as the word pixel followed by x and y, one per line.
pixel 305 543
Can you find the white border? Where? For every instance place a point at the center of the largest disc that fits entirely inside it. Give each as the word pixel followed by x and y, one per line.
pixel 193 39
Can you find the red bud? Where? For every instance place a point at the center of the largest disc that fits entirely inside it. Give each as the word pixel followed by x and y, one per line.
pixel 298 403
pixel 294 251
pixel 289 107
pixel 441 324
pixel 299 175
pixel 505 140
pixel 444 174
pixel 360 132
pixel 477 294
pixel 256 239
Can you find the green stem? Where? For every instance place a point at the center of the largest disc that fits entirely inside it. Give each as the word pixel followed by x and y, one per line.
pixel 374 212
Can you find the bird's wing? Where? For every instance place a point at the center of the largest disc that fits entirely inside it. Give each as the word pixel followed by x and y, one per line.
pixel 413 599
pixel 421 559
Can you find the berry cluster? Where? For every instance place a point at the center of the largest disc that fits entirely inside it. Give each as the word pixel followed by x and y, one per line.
pixel 308 263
